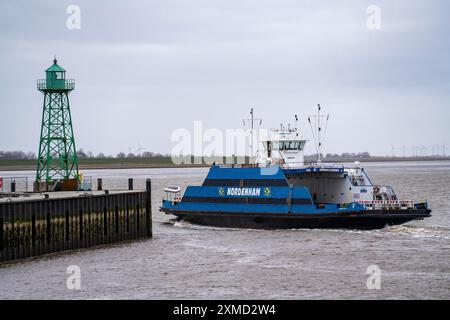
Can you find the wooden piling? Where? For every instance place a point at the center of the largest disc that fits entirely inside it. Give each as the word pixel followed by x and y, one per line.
pixel 148 207
pixel 130 184
pixel 33 227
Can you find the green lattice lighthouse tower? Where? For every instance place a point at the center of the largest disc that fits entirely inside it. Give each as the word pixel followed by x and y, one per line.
pixel 57 157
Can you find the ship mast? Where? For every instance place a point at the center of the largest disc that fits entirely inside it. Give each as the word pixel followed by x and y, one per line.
pixel 320 133
pixel 251 122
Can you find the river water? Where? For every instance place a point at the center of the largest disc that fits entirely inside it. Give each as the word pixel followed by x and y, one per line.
pixel 184 261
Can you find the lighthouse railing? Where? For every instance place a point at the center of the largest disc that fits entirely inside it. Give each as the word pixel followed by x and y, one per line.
pixel 68 84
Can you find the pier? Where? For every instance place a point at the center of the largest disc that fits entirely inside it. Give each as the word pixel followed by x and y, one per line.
pixel 34 224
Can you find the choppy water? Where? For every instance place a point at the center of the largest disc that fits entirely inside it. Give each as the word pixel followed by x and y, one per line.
pixel 194 262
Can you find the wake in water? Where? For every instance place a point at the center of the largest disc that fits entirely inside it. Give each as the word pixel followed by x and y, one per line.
pixel 437 232
pixel 188 225
pixel 421 232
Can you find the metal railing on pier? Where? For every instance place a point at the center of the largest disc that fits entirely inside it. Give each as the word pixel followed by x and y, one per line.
pixel 14 184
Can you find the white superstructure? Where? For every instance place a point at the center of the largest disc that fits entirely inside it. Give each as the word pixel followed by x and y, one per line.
pixel 327 182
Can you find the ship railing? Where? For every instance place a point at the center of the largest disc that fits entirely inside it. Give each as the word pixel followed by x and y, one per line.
pixel 387 204
pixel 311 164
pixel 239 165
pixel 173 197
pixel 316 164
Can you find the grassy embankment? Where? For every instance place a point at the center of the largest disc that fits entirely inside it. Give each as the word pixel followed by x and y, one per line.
pixel 166 162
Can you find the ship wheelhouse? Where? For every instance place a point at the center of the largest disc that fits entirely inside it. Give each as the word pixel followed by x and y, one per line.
pixel 285 148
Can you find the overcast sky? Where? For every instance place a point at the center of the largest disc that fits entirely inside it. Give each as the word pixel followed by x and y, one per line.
pixel 145 68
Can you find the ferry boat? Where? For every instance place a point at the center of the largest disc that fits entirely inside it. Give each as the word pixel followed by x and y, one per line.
pixel 282 191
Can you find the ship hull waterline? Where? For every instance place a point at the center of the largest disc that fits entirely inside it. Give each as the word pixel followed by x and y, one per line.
pixel 362 220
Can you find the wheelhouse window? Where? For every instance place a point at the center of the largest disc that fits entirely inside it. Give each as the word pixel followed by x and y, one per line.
pixel 284 145
pixel 291 145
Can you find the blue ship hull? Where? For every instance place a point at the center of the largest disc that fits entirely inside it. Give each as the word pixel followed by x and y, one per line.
pixel 262 199
pixel 363 220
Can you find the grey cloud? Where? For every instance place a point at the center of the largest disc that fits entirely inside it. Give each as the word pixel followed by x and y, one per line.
pixel 144 68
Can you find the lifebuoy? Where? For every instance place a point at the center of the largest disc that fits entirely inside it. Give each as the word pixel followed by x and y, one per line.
pixel 376 189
